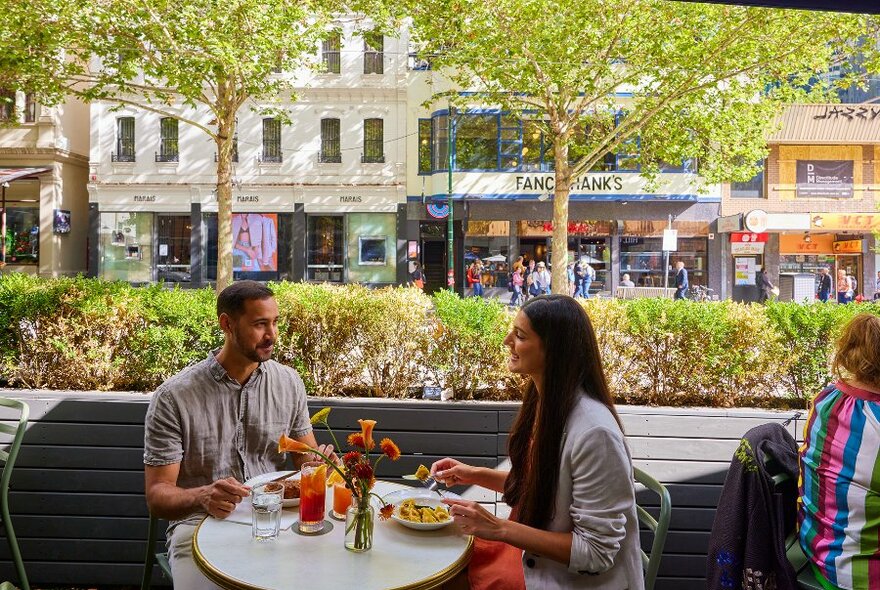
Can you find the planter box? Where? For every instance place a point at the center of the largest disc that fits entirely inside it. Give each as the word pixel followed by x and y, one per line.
pixel 77 489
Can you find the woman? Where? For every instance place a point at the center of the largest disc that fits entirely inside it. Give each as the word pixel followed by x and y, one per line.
pixel 844 287
pixel 417 276
pixel 517 281
pixel 571 480
pixel 839 507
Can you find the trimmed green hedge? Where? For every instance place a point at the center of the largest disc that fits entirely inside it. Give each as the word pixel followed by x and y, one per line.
pixel 88 334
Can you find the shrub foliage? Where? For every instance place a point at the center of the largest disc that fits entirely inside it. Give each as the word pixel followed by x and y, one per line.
pixel 76 333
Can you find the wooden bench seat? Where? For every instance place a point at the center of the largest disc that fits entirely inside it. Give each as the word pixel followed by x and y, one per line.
pixel 639 292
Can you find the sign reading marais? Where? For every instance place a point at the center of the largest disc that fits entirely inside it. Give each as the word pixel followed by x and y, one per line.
pixel 438 211
pixel 825 179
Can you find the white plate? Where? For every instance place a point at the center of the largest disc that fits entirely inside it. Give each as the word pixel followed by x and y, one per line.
pixel 421 526
pixel 261 479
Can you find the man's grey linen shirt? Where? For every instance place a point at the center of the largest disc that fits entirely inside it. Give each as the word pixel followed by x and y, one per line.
pixel 215 428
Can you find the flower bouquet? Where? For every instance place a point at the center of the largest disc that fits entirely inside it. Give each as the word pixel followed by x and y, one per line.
pixel 357 470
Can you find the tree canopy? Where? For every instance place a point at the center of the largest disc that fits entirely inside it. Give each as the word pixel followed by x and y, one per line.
pixel 663 82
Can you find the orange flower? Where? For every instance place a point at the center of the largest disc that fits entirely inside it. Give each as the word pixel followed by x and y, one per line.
pixel 390 449
pixel 386 511
pixel 367 430
pixel 288 445
pixel 356 439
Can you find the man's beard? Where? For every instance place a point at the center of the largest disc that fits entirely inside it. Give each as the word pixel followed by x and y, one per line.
pixel 253 354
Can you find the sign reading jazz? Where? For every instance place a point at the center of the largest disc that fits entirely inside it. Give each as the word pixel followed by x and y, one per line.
pixel 825 179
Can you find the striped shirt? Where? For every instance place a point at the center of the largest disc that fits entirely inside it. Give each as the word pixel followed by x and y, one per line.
pixel 839 504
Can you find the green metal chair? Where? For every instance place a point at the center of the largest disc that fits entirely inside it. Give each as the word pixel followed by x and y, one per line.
pixel 151 557
pixel 658 526
pixel 8 458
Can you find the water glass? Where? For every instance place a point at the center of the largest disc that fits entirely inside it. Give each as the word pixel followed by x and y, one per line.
pixel 266 512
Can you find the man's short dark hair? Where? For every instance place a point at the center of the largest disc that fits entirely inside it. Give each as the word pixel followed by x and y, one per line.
pixel 232 299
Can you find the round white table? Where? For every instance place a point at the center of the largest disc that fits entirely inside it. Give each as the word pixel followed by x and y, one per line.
pixel 401 558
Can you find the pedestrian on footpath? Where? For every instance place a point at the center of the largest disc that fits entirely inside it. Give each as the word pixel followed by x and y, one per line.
pixel 681 280
pixel 475 279
pixel 517 280
pixel 824 289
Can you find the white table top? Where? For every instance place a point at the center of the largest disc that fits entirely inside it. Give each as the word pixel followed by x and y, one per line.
pixel 400 557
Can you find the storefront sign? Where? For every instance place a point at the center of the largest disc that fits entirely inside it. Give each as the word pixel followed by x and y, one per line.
pixel 756 221
pixel 604 183
pixel 668 186
pixel 831 179
pixel 849 113
pixel 247 198
pixel 730 223
pixel 748 237
pixel 788 221
pixel 488 228
pixel 848 247
pixel 670 240
pixel 345 200
pixel 846 221
pixel 739 248
pixel 351 199
pixel 437 211
pixel 806 244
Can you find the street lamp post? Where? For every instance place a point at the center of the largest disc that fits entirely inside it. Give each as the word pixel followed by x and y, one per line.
pixel 3 224
pixel 450 233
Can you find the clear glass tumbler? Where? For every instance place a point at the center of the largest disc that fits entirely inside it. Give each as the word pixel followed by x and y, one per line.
pixel 266 512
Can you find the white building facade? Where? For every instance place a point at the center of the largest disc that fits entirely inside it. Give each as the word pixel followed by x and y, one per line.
pixel 320 199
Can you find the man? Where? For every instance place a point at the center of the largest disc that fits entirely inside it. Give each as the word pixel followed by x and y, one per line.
pixel 824 289
pixel 681 280
pixel 216 424
pixel 626 281
pixel 542 279
pixel 764 286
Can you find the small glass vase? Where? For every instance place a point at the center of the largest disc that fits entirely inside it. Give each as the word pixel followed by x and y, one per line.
pixel 359 518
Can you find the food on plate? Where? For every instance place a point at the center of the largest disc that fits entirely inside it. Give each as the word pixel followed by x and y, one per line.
pixel 411 511
pixel 273 486
pixel 422 473
pixel 291 489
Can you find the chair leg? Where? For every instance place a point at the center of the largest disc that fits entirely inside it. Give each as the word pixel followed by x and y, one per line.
pixel 150 556
pixel 13 544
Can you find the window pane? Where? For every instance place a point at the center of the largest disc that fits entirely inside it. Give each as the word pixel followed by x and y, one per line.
pixel 373 53
pixel 173 258
pixel 7 104
pixel 476 142
pixel 22 236
pixel 531 150
pixel 331 150
pixel 168 145
pixel 271 140
pixel 441 142
pixel 30 108
pixel 330 48
pixel 326 248
pixel 752 189
pixel 126 241
pixel 125 149
pixel 373 141
pixel 424 146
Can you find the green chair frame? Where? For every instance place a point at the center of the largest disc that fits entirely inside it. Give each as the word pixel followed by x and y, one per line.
pixel 8 458
pixel 659 526
pixel 151 557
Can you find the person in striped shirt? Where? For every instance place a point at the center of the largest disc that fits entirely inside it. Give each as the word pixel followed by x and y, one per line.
pixel 839 502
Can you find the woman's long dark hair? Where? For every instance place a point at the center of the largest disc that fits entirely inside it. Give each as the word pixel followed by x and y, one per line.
pixel 572 364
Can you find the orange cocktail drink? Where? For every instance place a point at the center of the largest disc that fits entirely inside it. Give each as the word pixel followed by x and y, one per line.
pixel 341 500
pixel 312 494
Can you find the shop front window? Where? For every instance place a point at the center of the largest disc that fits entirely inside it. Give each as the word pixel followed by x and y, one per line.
pixel 126 247
pixel 173 242
pixel 642 258
pixel 22 236
pixel 326 248
pixel 371 239
pixel 488 241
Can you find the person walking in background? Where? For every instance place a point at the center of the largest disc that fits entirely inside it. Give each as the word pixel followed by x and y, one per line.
pixel 517 281
pixel 877 286
pixel 541 279
pixel 681 280
pixel 764 286
pixel 417 276
pixel 475 279
pixel 824 289
pixel 570 486
pixel 844 287
pixel 528 278
pixel 839 522
pixel 569 272
pixel 579 274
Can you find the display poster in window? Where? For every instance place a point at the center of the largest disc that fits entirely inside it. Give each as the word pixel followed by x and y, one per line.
pixel 412 250
pixel 61 221
pixel 371 250
pixel 744 271
pixel 830 179
pixel 255 242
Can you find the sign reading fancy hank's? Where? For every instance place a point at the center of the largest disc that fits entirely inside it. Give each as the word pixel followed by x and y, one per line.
pixel 825 179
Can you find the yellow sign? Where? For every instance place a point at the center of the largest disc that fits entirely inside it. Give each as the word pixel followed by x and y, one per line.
pixel 845 221
pixel 848 247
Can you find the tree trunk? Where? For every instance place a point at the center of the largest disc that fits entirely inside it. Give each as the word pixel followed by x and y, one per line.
pixel 559 258
pixel 225 135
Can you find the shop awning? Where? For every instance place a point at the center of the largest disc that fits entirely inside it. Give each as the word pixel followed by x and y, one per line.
pixel 860 6
pixel 10 174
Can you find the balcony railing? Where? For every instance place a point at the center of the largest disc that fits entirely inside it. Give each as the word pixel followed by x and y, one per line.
pixel 122 157
pixel 374 62
pixel 331 152
pixel 332 62
pixel 167 157
pixel 270 158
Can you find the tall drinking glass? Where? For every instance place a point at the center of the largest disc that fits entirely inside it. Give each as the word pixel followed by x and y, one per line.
pixel 266 512
pixel 312 496
pixel 341 500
